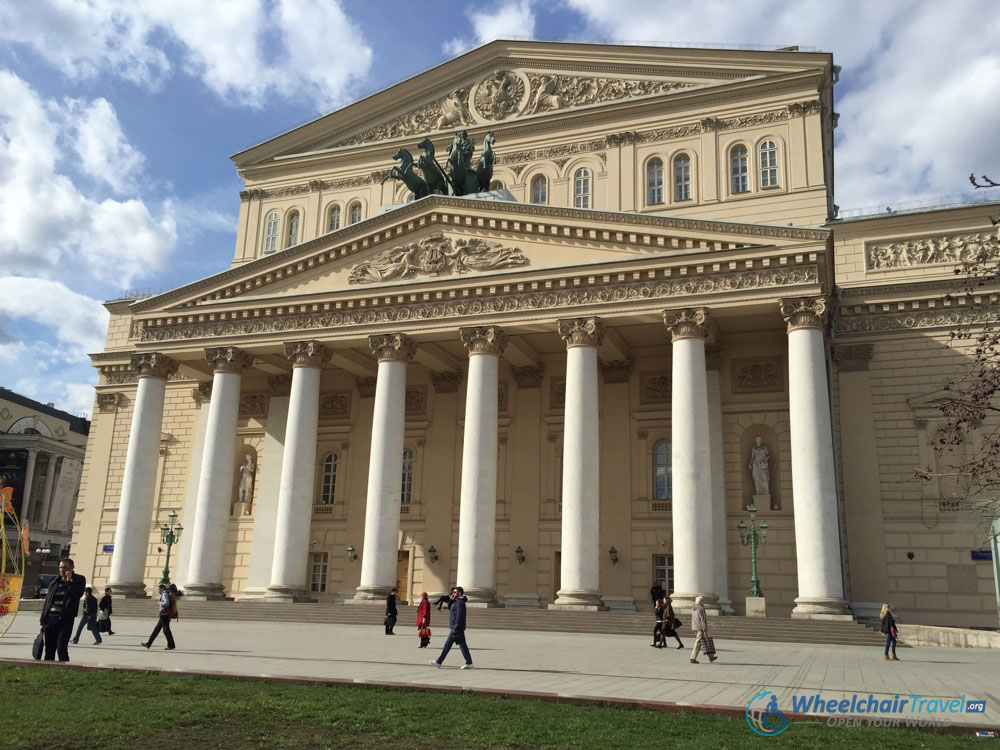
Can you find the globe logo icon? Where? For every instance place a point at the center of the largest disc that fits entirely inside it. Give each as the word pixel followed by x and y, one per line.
pixel 763 715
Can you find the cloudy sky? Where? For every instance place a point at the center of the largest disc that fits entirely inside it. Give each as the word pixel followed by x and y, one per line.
pixel 117 118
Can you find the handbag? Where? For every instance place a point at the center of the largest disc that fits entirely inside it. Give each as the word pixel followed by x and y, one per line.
pixel 102 615
pixel 424 632
pixel 708 645
pixel 38 646
pixel 676 623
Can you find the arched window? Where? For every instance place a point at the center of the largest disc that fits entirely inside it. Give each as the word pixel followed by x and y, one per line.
pixel 768 152
pixel 292 233
pixel 540 190
pixel 333 219
pixel 663 487
pixel 406 491
pixel 682 177
pixel 496 185
pixel 328 488
pixel 654 182
pixel 581 188
pixel 739 170
pixel 271 232
pixel 355 215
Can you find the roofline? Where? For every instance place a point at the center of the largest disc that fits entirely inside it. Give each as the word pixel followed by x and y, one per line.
pixel 77 424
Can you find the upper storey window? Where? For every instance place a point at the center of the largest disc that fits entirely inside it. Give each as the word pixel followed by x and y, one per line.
pixel 739 170
pixel 540 190
pixel 581 188
pixel 654 182
pixel 333 219
pixel 768 152
pixel 328 488
pixel 355 213
pixel 682 178
pixel 292 233
pixel 271 232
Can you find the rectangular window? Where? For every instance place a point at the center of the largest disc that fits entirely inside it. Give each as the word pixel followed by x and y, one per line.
pixel 663 572
pixel 320 561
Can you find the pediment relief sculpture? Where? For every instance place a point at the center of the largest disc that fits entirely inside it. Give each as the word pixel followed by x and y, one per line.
pixel 436 255
pixel 931 251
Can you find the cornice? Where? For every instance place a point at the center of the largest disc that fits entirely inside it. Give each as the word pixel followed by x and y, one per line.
pixel 927 313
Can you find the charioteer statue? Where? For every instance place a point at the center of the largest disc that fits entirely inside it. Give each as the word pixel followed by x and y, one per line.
pixel 460 179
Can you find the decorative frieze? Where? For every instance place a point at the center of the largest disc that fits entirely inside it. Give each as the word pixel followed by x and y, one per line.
pixel 446 382
pixel 915 319
pixel 290 191
pixel 801 109
pixel 686 323
pixel 529 376
pixel 392 347
pixel 108 402
pixel 499 96
pixel 416 400
pixel 366 387
pixel 152 365
pixel 581 331
pixel 758 375
pixel 655 387
pixel 436 255
pixel 335 404
pixel 483 340
pixel 307 353
pixel 853 357
pixel 943 249
pixel 228 359
pixel 804 312
pixel 616 371
pixel 253 404
pixel 202 393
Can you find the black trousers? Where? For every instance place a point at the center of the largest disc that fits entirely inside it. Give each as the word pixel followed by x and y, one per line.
pixel 164 625
pixel 57 635
pixel 390 623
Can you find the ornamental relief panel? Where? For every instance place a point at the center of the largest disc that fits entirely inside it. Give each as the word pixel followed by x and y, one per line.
pixel 655 387
pixel 335 404
pixel 416 400
pixel 946 249
pixel 911 320
pixel 652 291
pixel 758 375
pixel 253 404
pixel 557 392
pixel 436 255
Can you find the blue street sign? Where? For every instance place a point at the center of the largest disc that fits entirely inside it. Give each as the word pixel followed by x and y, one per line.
pixel 109 548
pixel 982 554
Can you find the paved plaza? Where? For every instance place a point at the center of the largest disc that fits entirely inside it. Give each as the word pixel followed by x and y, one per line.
pixel 560 664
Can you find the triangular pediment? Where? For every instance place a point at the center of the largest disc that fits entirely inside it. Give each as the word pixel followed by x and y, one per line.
pixel 441 242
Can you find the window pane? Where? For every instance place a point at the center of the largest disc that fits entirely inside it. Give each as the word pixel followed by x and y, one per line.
pixel 329 486
pixel 739 170
pixel 292 236
pixel 768 164
pixel 654 182
pixel 320 562
pixel 682 178
pixel 581 189
pixel 271 232
pixel 406 491
pixel 355 213
pixel 334 221
pixel 539 190
pixel 662 473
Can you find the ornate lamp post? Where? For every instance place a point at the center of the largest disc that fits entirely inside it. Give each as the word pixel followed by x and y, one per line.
pixel 753 539
pixel 170 534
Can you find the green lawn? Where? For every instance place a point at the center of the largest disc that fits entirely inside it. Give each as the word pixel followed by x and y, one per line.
pixel 108 710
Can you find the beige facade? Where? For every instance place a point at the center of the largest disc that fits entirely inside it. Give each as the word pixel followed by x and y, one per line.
pixel 713 281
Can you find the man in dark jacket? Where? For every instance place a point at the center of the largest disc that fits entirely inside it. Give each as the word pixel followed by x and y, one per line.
pixel 60 609
pixel 89 618
pixel 105 606
pixel 456 621
pixel 390 611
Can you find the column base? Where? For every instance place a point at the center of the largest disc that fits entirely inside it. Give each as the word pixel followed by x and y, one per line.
pixel 821 608
pixel 521 601
pixel 726 606
pixel 370 595
pixel 287 594
pixel 618 603
pixel 254 594
pixel 481 597
pixel 208 592
pixel 577 599
pixel 129 590
pixel 684 602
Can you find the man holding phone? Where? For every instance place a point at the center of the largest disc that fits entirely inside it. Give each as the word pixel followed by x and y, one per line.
pixel 60 609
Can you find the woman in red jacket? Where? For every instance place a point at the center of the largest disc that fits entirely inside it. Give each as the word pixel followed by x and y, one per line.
pixel 424 620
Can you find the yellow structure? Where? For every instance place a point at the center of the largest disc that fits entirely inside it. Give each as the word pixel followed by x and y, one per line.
pixel 550 393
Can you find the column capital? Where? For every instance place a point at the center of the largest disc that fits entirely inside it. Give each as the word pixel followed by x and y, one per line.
pixel 713 356
pixel 483 340
pixel 153 365
pixel 280 385
pixel 581 331
pixel 804 312
pixel 446 382
pixel 202 393
pixel 392 347
pixel 109 402
pixel 686 323
pixel 616 371
pixel 853 357
pixel 228 359
pixel 307 353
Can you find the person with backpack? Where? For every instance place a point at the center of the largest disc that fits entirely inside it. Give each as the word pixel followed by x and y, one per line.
pixel 104 615
pixel 167 612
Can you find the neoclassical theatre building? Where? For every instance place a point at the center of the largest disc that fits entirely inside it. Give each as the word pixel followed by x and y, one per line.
pixel 562 390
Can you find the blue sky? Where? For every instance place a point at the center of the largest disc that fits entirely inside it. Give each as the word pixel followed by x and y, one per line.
pixel 117 119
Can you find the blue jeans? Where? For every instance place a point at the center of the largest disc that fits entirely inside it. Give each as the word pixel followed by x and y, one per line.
pixel 459 638
pixel 91 623
pixel 890 640
pixel 57 634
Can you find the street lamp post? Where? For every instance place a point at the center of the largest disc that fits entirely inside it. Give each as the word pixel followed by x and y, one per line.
pixel 753 539
pixel 170 534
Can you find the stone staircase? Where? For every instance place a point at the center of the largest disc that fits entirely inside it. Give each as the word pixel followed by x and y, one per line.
pixel 621 623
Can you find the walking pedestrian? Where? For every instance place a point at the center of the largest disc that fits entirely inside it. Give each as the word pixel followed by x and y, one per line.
pixel 889 628
pixel 456 624
pixel 390 611
pixel 60 609
pixel 699 624
pixel 658 628
pixel 104 615
pixel 166 609
pixel 89 618
pixel 670 623
pixel 424 620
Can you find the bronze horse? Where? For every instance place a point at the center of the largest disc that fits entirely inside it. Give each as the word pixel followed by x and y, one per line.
pixel 484 169
pixel 433 174
pixel 404 173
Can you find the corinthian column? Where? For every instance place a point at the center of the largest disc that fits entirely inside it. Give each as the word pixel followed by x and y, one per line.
pixel 478 510
pixel 211 518
pixel 692 511
pixel 713 360
pixel 579 575
pixel 295 492
pixel 378 561
pixel 814 490
pixel 135 510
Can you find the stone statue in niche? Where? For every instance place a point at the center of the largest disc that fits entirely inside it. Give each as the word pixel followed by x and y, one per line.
pixel 247 471
pixel 760 459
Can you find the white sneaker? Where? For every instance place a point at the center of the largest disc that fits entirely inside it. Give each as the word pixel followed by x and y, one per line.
pixel 466 666
pixel 436 663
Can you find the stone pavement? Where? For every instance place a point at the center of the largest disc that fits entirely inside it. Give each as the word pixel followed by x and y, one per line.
pixel 556 664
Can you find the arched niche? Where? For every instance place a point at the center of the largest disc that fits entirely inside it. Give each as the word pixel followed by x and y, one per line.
pixel 769 438
pixel 243 452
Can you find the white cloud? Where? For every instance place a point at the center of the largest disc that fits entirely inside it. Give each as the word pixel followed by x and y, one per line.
pixel 245 51
pixel 513 18
pixel 80 323
pixel 52 228
pixel 100 143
